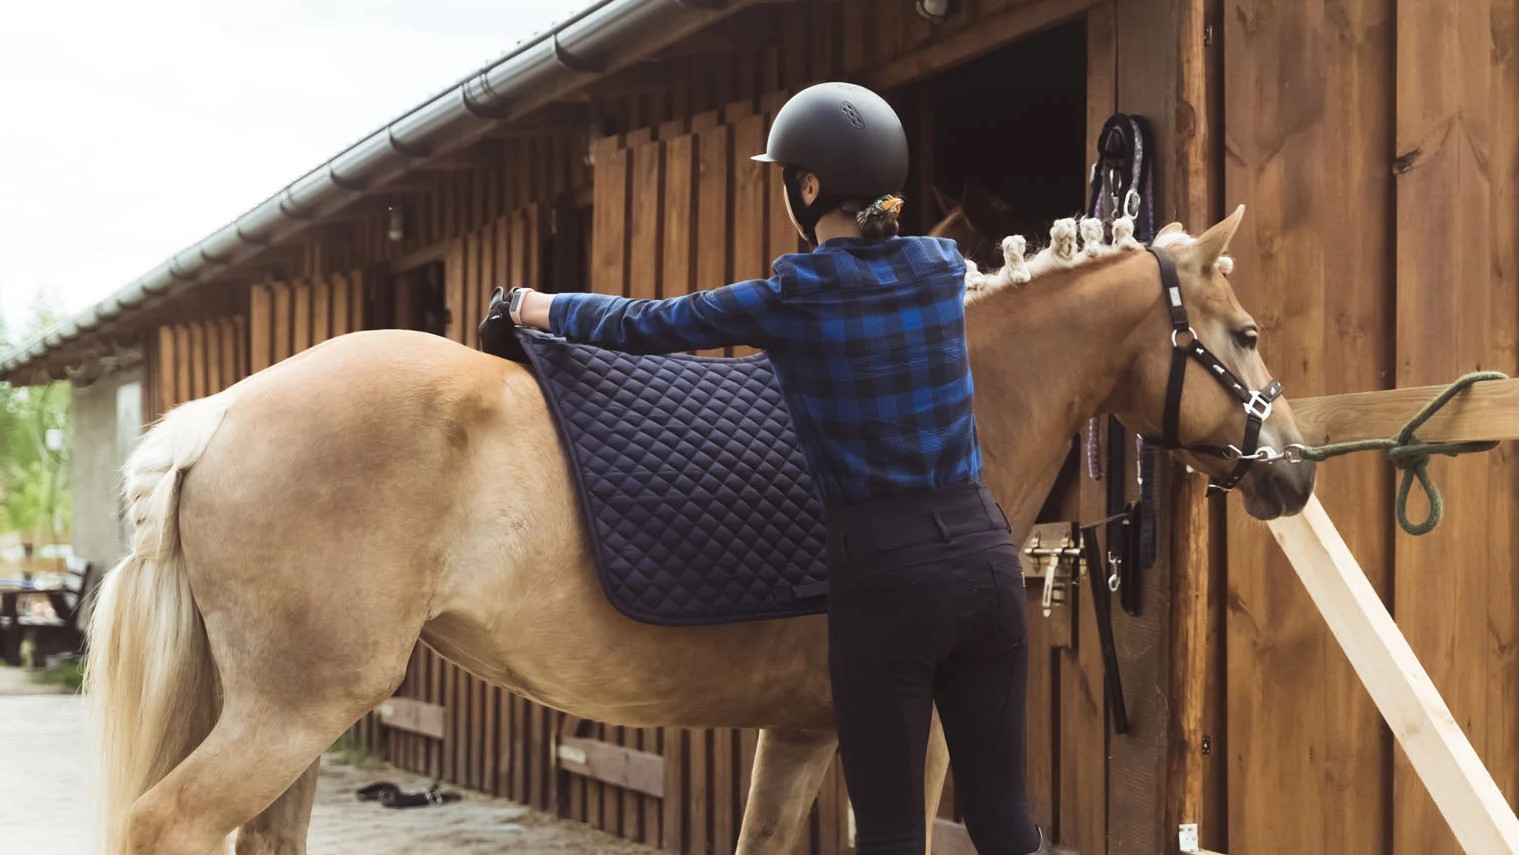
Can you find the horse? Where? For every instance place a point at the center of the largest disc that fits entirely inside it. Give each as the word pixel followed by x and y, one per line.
pixel 295 535
pixel 974 220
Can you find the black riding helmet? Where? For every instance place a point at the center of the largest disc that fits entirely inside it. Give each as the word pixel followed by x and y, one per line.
pixel 846 135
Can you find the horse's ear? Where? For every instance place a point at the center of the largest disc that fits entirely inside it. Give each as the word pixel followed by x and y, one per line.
pixel 1170 229
pixel 946 202
pixel 987 214
pixel 1215 241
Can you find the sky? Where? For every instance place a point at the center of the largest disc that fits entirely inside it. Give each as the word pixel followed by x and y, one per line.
pixel 132 130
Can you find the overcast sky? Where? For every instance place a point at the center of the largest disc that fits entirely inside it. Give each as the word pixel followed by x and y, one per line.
pixel 133 129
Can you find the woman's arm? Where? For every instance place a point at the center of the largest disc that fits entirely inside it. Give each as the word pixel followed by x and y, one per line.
pixel 742 313
pixel 535 309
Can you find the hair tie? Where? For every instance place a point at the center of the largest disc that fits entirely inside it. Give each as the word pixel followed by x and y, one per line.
pixel 881 207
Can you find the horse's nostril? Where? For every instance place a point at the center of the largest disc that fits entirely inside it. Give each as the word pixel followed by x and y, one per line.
pixel 1298 485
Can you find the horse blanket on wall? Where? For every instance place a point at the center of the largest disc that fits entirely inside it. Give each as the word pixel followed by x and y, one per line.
pixel 692 482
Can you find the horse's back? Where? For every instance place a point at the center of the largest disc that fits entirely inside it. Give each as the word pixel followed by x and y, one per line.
pixel 394 483
pixel 359 459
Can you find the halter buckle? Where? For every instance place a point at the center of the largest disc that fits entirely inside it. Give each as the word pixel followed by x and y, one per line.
pixel 1264 454
pixel 1258 405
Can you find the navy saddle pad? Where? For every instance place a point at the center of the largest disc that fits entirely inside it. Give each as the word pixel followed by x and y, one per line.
pixel 699 504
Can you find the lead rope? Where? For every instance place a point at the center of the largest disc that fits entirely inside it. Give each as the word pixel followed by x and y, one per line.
pixel 1411 454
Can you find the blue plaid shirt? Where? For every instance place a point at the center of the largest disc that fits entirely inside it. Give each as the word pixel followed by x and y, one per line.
pixel 867 338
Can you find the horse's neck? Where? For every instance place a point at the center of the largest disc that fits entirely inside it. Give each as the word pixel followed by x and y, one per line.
pixel 1045 358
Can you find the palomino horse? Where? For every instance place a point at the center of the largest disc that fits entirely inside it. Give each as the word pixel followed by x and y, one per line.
pixel 296 534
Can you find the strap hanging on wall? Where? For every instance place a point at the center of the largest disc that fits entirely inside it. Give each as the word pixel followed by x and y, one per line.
pixel 1122 184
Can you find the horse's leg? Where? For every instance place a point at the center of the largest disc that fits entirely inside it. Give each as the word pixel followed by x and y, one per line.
pixel 281 828
pixel 935 770
pixel 788 769
pixel 263 743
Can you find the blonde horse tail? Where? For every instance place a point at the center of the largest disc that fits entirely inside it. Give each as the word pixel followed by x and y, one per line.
pixel 150 680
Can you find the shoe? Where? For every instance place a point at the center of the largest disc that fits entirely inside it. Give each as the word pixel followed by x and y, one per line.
pixel 378 792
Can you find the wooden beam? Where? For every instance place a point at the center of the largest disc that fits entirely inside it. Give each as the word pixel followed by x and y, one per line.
pixel 418 257
pixel 1486 411
pixel 647 76
pixel 749 30
pixel 628 768
pixel 971 42
pixel 1434 743
pixel 556 115
pixel 413 716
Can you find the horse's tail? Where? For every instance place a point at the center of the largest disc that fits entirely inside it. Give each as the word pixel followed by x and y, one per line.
pixel 149 677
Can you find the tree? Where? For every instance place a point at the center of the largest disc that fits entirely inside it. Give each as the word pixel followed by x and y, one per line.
pixel 34 456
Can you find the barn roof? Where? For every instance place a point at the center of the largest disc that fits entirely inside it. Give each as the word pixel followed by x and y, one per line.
pixel 607 36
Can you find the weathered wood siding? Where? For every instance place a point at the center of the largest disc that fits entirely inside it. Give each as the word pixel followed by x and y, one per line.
pixel 1376 143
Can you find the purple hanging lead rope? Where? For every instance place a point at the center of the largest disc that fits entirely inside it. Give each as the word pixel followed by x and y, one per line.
pixel 1093 449
pixel 1098 207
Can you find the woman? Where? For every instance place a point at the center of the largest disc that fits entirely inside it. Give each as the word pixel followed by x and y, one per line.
pixel 867 334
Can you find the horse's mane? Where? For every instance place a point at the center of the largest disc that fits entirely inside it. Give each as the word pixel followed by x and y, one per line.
pixel 1071 245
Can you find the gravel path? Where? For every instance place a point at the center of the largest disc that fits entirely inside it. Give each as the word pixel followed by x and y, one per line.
pixel 43 807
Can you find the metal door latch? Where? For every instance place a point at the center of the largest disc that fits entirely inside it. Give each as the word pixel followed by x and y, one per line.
pixel 1056 550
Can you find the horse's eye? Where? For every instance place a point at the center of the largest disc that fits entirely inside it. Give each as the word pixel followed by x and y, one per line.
pixel 1247 338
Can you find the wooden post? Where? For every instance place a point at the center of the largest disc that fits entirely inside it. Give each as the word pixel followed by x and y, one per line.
pixel 1435 744
pixel 1488 410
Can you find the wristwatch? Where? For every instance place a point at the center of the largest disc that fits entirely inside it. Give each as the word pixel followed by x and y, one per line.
pixel 514 303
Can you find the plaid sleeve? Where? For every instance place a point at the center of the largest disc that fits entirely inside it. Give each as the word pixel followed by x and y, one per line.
pixel 741 313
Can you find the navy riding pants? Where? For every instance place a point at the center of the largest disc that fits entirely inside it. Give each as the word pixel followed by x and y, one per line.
pixel 926 606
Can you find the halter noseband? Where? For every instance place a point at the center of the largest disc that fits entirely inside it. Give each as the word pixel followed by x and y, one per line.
pixel 1257 402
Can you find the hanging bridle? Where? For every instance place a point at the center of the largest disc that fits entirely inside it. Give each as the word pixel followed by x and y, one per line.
pixel 1257 402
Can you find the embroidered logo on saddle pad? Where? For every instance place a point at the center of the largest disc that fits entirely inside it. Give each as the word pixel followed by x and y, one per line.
pixel 692 482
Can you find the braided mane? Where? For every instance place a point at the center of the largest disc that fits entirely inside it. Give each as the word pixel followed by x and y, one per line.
pixel 1072 244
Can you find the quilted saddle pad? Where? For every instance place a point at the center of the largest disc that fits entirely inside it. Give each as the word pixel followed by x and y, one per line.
pixel 691 480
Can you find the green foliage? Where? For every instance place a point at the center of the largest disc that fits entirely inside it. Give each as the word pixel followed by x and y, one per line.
pixel 70 674
pixel 34 495
pixel 348 751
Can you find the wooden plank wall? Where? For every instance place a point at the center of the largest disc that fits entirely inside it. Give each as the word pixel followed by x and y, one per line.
pixel 1377 147
pixel 286 318
pixel 193 359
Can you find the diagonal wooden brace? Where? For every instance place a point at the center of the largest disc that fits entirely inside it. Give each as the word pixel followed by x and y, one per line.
pixel 1441 755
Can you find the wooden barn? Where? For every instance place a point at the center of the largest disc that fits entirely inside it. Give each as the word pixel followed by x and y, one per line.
pixel 1376 144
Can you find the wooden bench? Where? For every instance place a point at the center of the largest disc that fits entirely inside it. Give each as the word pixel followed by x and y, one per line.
pixel 61 633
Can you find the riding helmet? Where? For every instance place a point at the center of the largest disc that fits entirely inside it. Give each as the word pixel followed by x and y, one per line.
pixel 846 135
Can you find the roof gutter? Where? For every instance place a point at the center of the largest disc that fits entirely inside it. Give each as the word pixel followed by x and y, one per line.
pixel 608 35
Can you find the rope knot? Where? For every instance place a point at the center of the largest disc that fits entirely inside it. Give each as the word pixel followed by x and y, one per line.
pixel 1411 455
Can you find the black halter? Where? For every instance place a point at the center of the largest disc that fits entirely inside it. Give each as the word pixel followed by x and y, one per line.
pixel 1257 402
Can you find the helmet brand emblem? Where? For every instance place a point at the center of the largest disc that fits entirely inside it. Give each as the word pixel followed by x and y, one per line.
pixel 853 114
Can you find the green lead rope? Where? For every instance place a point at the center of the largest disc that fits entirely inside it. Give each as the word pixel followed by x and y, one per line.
pixel 1411 454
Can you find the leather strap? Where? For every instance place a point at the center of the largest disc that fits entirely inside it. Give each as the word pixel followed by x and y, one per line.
pixel 1102 604
pixel 1175 382
pixel 1257 403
